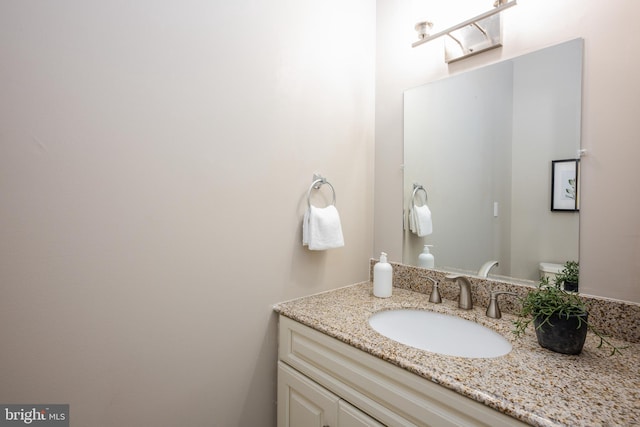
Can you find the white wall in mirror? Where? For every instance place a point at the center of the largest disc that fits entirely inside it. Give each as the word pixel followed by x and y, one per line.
pixel 456 131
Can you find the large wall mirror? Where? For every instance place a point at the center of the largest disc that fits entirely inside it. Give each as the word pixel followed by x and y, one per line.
pixel 482 145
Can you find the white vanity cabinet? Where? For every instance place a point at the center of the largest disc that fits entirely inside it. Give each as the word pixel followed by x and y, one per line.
pixel 325 382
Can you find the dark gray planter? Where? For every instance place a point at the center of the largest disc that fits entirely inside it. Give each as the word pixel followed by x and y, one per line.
pixel 562 334
pixel 571 286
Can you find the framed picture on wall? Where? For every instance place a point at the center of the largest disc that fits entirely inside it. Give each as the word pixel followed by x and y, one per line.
pixel 565 180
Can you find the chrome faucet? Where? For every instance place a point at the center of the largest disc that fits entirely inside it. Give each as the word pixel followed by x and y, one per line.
pixel 486 267
pixel 494 309
pixel 465 301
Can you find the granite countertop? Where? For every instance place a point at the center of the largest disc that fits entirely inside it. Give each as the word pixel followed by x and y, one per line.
pixel 530 383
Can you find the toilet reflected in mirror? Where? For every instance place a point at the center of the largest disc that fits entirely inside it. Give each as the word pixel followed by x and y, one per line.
pixel 550 270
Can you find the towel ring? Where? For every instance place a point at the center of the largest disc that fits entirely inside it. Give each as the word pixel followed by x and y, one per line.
pixel 316 184
pixel 416 188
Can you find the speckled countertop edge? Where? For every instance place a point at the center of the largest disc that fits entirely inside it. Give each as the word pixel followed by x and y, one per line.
pixel 530 383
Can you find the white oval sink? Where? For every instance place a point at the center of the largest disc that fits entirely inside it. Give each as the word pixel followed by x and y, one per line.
pixel 439 333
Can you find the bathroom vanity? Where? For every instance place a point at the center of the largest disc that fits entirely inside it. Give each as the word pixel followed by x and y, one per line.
pixel 318 377
pixel 335 370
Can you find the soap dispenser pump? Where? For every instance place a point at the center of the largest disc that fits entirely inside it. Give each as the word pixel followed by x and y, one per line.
pixel 382 278
pixel 425 259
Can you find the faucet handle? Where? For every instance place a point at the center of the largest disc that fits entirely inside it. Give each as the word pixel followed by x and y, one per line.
pixel 435 292
pixel 493 310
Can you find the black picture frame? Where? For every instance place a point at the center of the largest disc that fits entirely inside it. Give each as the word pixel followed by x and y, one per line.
pixel 565 185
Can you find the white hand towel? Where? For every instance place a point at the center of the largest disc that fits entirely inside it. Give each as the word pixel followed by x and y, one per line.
pixel 422 218
pixel 412 221
pixel 305 229
pixel 321 229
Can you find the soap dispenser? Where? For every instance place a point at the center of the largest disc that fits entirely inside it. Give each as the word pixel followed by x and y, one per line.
pixel 382 277
pixel 425 259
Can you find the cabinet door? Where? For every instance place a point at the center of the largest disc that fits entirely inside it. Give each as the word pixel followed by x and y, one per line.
pixel 302 402
pixel 350 416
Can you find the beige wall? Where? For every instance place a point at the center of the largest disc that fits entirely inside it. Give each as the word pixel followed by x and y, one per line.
pixel 154 160
pixel 610 205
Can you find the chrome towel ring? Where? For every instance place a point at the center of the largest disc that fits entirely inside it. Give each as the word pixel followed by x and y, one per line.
pixel 319 181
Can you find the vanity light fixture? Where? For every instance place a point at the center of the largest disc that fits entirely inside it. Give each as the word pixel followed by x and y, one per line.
pixel 423 28
pixel 470 37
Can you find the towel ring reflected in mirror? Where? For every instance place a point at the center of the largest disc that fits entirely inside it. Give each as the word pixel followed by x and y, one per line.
pixel 416 188
pixel 315 185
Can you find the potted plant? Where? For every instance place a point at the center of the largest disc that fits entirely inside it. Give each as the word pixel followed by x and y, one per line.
pixel 560 319
pixel 569 276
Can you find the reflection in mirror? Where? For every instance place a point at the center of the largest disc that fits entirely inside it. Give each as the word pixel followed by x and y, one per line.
pixel 481 143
